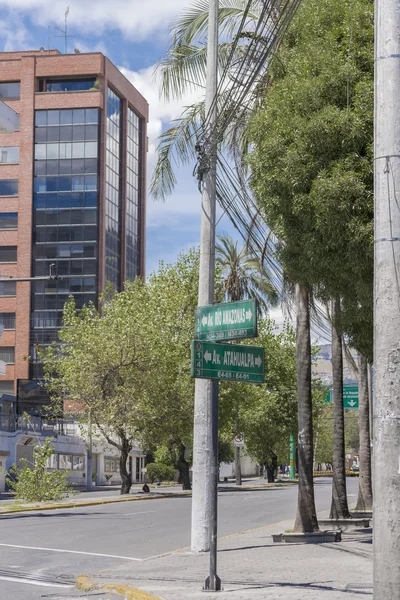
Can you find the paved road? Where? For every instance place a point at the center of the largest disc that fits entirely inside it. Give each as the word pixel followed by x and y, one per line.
pixel 53 547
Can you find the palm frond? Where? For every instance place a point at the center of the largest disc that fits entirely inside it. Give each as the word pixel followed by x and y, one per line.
pixel 193 23
pixel 176 144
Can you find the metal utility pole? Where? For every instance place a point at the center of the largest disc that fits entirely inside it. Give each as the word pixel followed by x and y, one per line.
pixel 386 405
pixel 202 442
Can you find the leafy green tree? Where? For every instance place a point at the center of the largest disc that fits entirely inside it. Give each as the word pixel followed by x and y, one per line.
pixel 35 483
pixel 160 472
pixel 312 163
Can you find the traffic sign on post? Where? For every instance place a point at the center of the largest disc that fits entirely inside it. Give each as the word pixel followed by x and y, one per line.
pixel 350 396
pixel 227 362
pixel 229 321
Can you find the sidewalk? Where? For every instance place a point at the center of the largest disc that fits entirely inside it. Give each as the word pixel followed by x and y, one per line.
pixel 251 567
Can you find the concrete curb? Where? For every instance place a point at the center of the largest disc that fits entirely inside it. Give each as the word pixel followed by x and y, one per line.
pixel 10 511
pixel 85 584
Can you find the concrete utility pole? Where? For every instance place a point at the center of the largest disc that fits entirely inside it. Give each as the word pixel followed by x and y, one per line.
pixel 386 409
pixel 202 442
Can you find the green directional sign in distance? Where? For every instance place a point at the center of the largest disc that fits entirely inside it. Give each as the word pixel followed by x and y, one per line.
pixel 350 396
pixel 228 362
pixel 228 321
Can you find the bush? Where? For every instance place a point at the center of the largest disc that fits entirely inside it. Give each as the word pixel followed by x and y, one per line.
pixel 160 472
pixel 35 484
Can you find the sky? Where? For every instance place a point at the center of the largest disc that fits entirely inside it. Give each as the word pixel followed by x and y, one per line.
pixel 134 34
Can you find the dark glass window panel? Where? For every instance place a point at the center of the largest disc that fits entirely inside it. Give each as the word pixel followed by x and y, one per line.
pixel 50 302
pixel 8 254
pixel 64 200
pixel 66 117
pixel 9 90
pixel 7 353
pixel 89 298
pixel 92 115
pixel 90 183
pixel 89 267
pixel 63 267
pixel 78 116
pixel 78 165
pixel 8 187
pixel 64 184
pixel 64 234
pixel 90 217
pixel 64 251
pixel 39 302
pixel 51 200
pixel 39 217
pixel 7 320
pixel 8 220
pixel 70 85
pixel 41 118
pixel 64 217
pixel 40 184
pixel 51 234
pixel 79 301
pixel 91 132
pixel 77 234
pixel 90 233
pixel 39 234
pixel 53 134
pixel 76 267
pixel 50 251
pixel 52 217
pixel 89 251
pixel 76 285
pixel 52 167
pixel 76 250
pixel 40 251
pixel 78 133
pixel 65 166
pixel 90 165
pixel 53 117
pixel 89 284
pixel 77 199
pixel 38 287
pixel 40 268
pixel 77 216
pixel 40 135
pixel 40 167
pixel 91 199
pixel 66 133
pixel 7 288
pixel 52 184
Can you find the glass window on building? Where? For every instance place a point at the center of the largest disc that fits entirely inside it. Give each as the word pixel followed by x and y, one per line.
pixel 65 215
pixel 111 465
pixel 9 154
pixel 132 195
pixel 113 190
pixel 78 463
pixel 9 220
pixel 10 90
pixel 8 254
pixel 8 187
pixel 7 354
pixel 52 461
pixel 7 288
pixel 68 85
pixel 7 320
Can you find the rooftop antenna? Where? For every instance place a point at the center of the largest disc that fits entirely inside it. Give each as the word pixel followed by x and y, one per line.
pixel 65 30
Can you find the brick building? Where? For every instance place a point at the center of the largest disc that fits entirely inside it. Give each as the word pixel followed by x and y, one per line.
pixel 72 197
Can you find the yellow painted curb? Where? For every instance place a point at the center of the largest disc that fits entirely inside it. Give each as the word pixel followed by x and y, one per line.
pixel 85 584
pixel 13 510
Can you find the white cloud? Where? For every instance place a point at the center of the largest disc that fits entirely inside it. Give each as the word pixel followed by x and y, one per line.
pixel 135 18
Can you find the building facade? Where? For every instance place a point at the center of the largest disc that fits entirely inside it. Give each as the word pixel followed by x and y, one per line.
pixel 72 198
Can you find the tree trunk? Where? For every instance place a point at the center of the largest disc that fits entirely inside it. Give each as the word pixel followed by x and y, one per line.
pixel 306 518
pixel 183 468
pixel 364 500
pixel 238 468
pixel 339 506
pixel 270 473
pixel 125 477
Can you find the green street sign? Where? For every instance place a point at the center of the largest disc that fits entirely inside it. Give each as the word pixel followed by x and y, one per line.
pixel 228 321
pixel 228 362
pixel 350 396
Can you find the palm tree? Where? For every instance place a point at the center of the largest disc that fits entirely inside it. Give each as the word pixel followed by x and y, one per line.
pixel 184 68
pixel 243 276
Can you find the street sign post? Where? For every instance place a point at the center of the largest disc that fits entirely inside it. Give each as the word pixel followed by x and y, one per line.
pixel 229 321
pixel 228 362
pixel 350 396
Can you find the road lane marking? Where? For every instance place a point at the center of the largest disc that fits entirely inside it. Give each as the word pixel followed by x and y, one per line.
pixel 146 512
pixel 71 552
pixel 35 582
